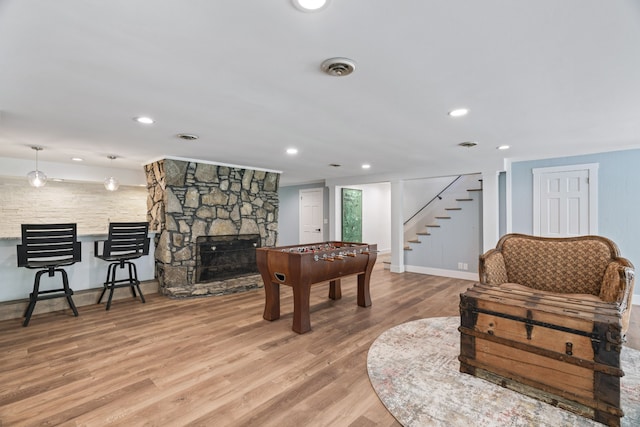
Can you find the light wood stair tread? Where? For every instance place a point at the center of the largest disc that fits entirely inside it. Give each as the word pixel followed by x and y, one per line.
pixel 423 233
pixel 452 209
pixel 414 241
pixel 443 217
pixel 432 225
pixel 475 189
pixel 464 200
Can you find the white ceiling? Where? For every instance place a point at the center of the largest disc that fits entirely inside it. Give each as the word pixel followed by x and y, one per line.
pixel 548 77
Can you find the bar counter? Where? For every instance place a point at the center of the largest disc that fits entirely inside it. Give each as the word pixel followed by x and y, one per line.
pixel 16 283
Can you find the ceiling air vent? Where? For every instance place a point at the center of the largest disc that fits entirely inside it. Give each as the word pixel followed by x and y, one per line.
pixel 468 144
pixel 338 67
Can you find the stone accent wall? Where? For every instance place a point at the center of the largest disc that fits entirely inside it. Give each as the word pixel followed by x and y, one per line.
pixel 87 204
pixel 187 200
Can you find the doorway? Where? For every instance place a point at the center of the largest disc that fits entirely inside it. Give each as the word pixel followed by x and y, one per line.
pixel 565 201
pixel 311 215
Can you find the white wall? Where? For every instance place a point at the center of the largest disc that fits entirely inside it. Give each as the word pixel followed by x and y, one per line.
pixel 376 214
pixel 418 192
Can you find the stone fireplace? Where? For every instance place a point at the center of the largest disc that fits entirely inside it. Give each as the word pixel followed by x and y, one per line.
pixel 194 203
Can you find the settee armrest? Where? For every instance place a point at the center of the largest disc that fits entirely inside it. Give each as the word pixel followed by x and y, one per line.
pixel 617 283
pixel 492 268
pixel 617 287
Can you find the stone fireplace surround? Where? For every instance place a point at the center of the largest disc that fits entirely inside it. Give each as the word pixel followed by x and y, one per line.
pixel 188 200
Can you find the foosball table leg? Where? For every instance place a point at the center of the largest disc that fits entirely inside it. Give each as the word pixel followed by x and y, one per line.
pixel 272 301
pixel 335 289
pixel 301 316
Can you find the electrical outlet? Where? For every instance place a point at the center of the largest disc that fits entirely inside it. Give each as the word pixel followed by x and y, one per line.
pixel 465 266
pixel 460 265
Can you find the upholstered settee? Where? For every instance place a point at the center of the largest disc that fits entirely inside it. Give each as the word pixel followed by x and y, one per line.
pixel 585 267
pixel 548 319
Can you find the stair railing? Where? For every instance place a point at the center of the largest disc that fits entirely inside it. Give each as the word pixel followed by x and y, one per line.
pixel 437 197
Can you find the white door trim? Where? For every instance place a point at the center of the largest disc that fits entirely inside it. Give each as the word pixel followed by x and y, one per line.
pixel 592 168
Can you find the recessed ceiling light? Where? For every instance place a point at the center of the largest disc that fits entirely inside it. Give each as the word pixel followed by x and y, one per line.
pixel 310 5
pixel 77 159
pixel 459 112
pixel 144 120
pixel 292 151
pixel 366 166
pixel 503 147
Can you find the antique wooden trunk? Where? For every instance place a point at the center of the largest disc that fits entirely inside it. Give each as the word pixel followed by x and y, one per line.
pixel 559 349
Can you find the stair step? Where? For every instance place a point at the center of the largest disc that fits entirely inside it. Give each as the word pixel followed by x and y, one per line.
pixel 423 233
pixel 452 209
pixel 443 217
pixel 464 200
pixel 408 248
pixel 432 225
pixel 475 189
pixel 415 241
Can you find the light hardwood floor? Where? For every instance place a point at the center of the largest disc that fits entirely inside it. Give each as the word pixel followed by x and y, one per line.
pixel 213 361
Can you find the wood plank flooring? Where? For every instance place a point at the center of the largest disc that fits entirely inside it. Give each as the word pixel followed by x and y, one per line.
pixel 213 361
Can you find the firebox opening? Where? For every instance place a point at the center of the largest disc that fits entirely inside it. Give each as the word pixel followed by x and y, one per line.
pixel 225 257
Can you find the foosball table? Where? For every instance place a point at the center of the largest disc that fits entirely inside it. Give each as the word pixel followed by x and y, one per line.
pixel 302 266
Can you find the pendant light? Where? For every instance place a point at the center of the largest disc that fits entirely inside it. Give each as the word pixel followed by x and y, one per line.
pixel 37 178
pixel 111 183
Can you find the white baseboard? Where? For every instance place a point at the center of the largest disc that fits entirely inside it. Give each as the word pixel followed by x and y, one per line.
pixel 466 275
pixel 396 268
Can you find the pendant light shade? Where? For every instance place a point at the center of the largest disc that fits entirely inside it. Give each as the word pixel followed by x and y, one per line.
pixel 111 183
pixel 37 178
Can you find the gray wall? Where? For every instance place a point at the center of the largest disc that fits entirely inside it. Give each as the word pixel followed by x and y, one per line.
pixel 457 240
pixel 376 214
pixel 618 197
pixel 288 218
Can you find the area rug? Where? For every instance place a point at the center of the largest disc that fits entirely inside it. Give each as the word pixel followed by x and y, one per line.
pixel 413 368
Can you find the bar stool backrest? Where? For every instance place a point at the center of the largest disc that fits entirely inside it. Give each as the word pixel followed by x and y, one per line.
pixel 45 245
pixel 127 240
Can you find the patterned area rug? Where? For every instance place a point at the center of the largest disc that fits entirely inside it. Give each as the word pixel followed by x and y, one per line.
pixel 413 368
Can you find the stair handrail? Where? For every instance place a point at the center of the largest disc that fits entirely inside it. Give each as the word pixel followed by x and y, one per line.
pixel 437 196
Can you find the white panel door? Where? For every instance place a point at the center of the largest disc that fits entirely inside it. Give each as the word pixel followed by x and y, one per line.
pixel 311 215
pixel 563 202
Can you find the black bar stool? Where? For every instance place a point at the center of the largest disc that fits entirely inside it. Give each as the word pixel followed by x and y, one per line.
pixel 126 241
pixel 48 248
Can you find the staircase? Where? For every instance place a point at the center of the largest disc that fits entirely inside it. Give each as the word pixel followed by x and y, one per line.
pixel 448 242
pixel 448 202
